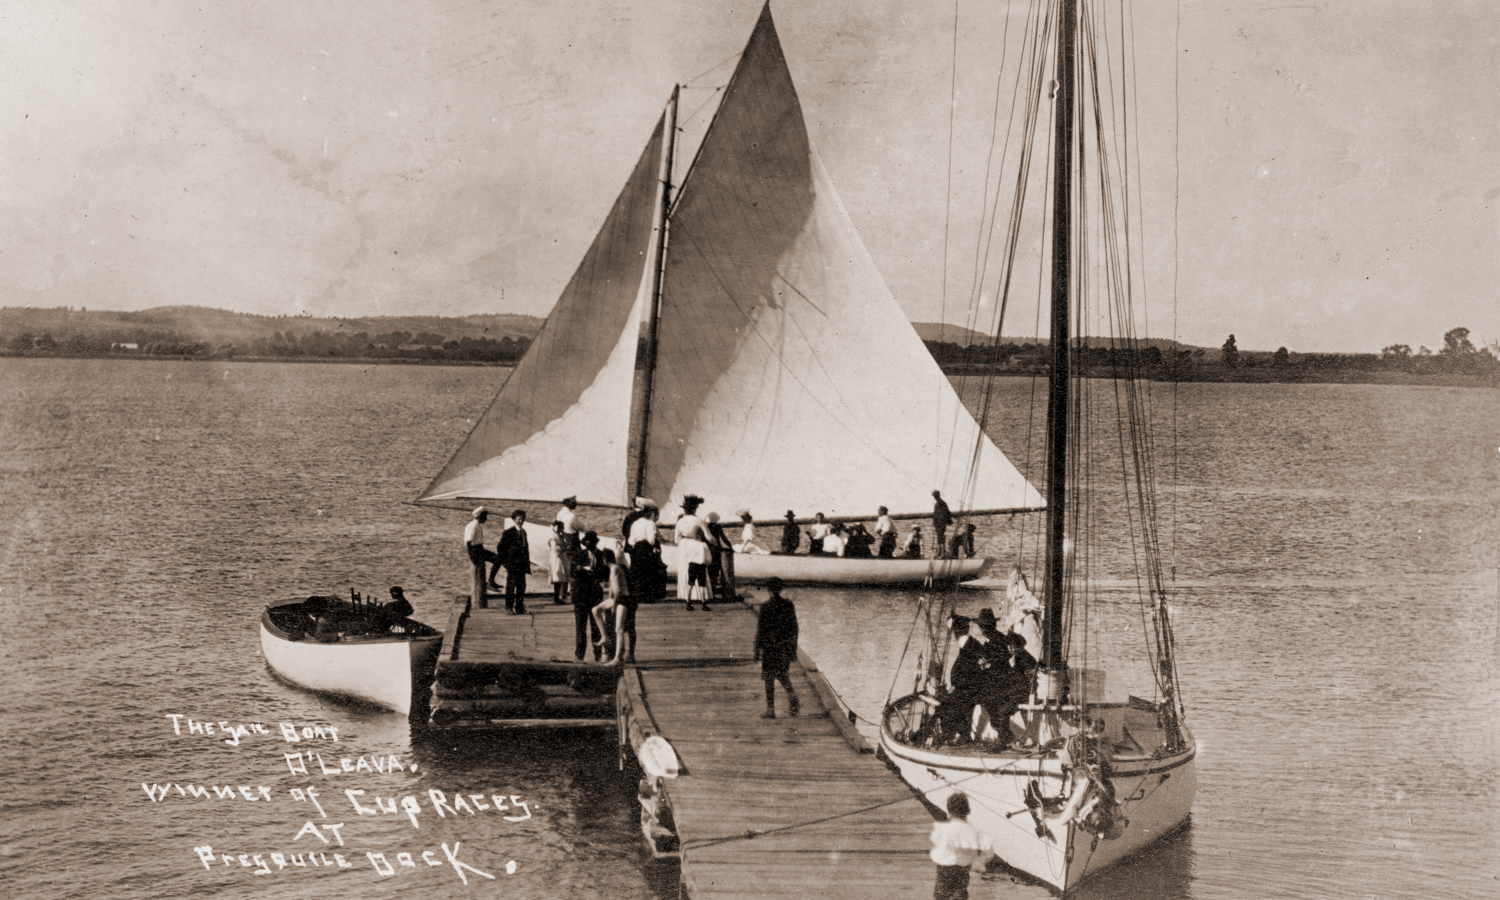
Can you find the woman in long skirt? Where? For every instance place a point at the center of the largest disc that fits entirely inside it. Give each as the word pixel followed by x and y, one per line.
pixel 693 556
pixel 556 567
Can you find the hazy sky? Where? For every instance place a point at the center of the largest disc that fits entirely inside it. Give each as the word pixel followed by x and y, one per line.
pixel 1337 163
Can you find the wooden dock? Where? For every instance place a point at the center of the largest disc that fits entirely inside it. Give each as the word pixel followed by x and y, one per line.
pixel 766 808
pixel 754 808
pixel 498 670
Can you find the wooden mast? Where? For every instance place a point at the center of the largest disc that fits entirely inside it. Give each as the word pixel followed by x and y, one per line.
pixel 653 309
pixel 1060 339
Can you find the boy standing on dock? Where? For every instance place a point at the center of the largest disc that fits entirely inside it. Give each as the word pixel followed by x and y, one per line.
pixel 957 846
pixel 776 646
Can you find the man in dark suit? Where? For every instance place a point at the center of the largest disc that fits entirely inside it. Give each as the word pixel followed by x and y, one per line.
pixel 514 554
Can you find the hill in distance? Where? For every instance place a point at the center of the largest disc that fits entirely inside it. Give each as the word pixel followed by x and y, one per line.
pixel 220 326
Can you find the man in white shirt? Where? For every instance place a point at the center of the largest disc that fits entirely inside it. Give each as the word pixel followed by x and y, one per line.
pixel 885 534
pixel 833 544
pixel 478 555
pixel 957 847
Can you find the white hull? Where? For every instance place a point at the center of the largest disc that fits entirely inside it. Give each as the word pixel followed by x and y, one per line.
pixel 1156 795
pixel 378 669
pixel 803 569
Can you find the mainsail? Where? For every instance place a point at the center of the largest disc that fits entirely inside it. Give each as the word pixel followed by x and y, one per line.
pixel 785 375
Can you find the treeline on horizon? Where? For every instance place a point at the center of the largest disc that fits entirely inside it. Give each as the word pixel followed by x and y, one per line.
pixel 1458 356
pixel 193 333
pixel 217 334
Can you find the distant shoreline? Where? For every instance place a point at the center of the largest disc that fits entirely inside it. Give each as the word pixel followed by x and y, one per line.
pixel 1205 373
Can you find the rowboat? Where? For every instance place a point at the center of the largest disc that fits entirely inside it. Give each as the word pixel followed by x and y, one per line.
pixel 357 652
pixel 842 570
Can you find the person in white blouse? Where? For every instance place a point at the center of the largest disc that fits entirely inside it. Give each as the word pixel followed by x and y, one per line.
pixel 885 534
pixel 693 554
pixel 747 535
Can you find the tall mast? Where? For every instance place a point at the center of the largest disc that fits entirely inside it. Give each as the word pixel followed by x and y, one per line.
pixel 1057 379
pixel 654 307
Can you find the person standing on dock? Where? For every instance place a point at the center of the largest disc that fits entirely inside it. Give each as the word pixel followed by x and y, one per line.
pixel 957 847
pixel 693 554
pixel 568 516
pixel 588 592
pixel 478 556
pixel 645 571
pixel 776 647
pixel 721 569
pixel 941 519
pixel 514 553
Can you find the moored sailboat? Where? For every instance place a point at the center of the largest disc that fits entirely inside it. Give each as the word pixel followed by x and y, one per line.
pixel 1064 778
pixel 727 335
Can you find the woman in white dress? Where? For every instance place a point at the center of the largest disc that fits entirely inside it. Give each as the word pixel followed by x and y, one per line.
pixel 692 554
pixel 555 567
pixel 747 535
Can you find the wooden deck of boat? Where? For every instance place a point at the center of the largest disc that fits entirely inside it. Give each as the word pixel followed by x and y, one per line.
pixel 786 807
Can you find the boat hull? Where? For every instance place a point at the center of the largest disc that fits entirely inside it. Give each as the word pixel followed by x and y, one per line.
pixel 1156 795
pixel 818 570
pixel 384 670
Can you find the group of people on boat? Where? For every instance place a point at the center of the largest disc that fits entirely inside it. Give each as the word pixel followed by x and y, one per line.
pixel 328 620
pixel 992 670
pixel 855 541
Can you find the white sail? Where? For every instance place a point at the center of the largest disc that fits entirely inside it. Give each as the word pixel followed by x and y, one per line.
pixel 560 423
pixel 787 376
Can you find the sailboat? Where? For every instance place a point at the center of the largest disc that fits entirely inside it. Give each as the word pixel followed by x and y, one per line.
pixel 727 335
pixel 1065 776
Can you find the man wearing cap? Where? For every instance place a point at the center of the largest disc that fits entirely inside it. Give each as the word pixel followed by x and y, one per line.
pixel 478 555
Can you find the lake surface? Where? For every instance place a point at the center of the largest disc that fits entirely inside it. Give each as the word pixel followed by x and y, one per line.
pixel 1334 552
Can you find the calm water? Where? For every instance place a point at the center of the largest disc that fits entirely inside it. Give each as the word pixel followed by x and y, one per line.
pixel 1335 557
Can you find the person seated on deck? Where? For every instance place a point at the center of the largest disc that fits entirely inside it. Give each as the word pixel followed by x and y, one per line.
pixel 747 535
pixel 962 543
pixel 791 535
pixel 386 618
pixel 833 544
pixel 857 544
pixel 911 548
pixel 817 533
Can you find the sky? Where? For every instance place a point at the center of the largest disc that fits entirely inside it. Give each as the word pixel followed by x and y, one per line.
pixel 1322 176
